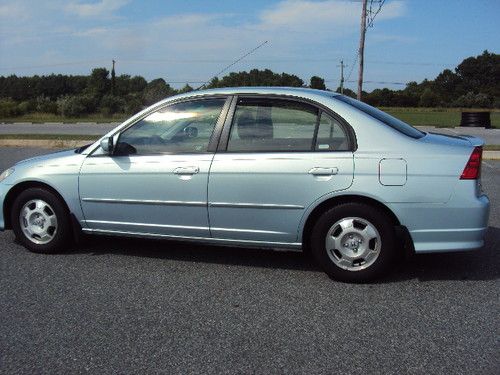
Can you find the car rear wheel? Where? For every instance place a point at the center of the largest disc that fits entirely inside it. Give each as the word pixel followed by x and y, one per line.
pixel 353 242
pixel 40 221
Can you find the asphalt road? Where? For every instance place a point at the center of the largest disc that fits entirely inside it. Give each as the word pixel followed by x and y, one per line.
pixel 57 128
pixel 136 306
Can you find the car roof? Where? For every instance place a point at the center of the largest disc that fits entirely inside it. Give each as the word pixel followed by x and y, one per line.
pixel 292 91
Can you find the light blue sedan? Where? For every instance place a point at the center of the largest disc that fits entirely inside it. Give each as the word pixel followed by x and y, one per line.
pixel 267 167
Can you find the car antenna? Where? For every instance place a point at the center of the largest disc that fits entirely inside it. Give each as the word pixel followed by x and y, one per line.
pixel 233 63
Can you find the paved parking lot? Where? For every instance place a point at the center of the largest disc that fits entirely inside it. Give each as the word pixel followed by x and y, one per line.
pixel 136 306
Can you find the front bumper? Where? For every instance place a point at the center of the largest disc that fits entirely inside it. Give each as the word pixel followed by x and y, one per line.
pixel 3 193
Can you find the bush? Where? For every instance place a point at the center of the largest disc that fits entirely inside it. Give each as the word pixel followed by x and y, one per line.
pixel 8 108
pixel 471 100
pixel 45 105
pixel 112 104
pixel 27 106
pixel 74 106
pixel 133 104
pixel 428 99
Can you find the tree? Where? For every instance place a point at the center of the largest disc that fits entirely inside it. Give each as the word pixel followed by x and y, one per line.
pixel 99 83
pixel 186 88
pixel 347 92
pixel 428 98
pixel 447 85
pixel 480 74
pixel 137 84
pixel 474 83
pixel 256 77
pixel 317 83
pixel 157 90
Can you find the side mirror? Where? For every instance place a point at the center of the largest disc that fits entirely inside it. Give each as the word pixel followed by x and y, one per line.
pixel 107 145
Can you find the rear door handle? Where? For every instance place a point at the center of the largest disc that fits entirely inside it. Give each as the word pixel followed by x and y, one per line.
pixel 186 170
pixel 324 171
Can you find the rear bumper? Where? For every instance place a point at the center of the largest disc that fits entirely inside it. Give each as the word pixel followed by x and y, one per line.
pixel 445 240
pixel 458 225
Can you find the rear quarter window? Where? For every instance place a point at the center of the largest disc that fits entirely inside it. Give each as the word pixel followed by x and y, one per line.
pixel 383 117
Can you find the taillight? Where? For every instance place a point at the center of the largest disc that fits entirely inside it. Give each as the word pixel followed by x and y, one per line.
pixel 473 167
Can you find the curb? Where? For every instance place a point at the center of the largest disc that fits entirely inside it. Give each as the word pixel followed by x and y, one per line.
pixel 491 155
pixel 55 143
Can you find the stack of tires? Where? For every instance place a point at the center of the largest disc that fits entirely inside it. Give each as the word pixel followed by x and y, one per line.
pixel 476 119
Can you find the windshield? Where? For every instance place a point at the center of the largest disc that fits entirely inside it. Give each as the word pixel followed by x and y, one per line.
pixel 387 119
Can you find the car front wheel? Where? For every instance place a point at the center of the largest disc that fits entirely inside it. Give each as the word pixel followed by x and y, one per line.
pixel 40 221
pixel 353 242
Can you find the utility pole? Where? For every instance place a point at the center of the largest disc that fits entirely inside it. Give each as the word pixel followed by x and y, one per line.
pixel 361 51
pixel 113 79
pixel 342 66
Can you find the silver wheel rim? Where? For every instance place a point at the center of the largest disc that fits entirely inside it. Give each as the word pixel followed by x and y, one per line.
pixel 38 221
pixel 353 243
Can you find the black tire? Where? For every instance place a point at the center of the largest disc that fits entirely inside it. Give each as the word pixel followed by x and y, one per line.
pixel 386 249
pixel 60 236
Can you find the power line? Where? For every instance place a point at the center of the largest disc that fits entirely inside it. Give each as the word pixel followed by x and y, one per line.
pixel 355 60
pixel 180 61
pixel 373 13
pixel 378 82
pixel 54 65
pixel 235 62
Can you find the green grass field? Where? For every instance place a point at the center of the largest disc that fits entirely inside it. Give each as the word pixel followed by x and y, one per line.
pixel 441 117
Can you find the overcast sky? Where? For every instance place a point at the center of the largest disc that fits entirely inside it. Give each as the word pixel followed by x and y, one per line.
pixel 191 40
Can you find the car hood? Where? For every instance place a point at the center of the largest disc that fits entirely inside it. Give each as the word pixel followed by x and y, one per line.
pixel 64 154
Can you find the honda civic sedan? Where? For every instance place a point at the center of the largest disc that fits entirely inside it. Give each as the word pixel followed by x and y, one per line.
pixel 276 168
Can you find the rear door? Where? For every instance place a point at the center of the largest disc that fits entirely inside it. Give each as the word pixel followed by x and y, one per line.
pixel 276 157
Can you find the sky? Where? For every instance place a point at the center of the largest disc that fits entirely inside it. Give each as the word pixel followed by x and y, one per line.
pixel 189 41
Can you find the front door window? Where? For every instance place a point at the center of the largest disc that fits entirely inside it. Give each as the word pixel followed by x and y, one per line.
pixel 184 127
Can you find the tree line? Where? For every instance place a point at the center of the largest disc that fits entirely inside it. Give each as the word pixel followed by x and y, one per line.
pixel 475 82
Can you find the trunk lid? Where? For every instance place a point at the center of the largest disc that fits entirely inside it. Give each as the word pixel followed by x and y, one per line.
pixel 452 140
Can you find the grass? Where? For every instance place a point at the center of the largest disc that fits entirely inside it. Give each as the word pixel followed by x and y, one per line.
pixel 492 147
pixel 439 117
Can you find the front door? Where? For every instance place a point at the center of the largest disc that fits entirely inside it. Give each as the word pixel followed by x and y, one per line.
pixel 155 182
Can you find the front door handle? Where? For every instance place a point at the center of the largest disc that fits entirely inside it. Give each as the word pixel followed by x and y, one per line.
pixel 318 171
pixel 186 170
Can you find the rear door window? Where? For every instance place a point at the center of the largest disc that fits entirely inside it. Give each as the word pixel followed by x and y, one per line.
pixel 261 124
